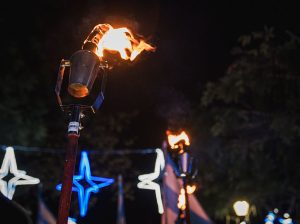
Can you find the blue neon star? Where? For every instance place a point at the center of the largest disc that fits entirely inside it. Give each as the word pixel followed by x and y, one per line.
pixel 85 174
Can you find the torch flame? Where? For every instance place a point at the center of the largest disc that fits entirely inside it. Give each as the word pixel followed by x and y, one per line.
pixel 175 139
pixel 119 40
pixel 191 189
pixel 181 200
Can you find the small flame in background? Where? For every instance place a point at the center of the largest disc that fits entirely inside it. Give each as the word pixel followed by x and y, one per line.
pixel 119 40
pixel 191 189
pixel 181 200
pixel 175 139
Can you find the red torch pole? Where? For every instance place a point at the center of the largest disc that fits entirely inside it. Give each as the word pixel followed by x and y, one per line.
pixel 69 167
pixel 85 65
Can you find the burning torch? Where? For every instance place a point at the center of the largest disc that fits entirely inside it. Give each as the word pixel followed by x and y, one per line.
pixel 179 144
pixel 85 66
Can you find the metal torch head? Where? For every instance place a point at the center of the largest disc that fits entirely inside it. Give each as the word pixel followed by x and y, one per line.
pixel 184 162
pixel 83 72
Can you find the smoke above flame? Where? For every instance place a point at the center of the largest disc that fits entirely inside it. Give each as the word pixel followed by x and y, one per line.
pixel 120 40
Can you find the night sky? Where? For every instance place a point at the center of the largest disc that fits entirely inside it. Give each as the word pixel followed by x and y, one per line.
pixel 193 41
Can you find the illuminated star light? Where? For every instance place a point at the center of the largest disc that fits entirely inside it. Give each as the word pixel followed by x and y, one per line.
pixel 9 164
pixel 147 179
pixel 85 174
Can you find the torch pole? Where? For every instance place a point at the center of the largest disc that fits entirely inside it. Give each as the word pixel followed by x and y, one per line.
pixel 187 204
pixel 69 166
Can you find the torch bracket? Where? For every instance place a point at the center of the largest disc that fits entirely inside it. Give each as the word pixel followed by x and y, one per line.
pixel 100 97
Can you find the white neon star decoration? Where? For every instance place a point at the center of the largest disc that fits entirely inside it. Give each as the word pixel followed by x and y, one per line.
pixel 147 179
pixel 9 164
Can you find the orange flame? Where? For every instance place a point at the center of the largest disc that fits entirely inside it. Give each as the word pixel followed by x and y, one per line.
pixel 119 40
pixel 191 189
pixel 175 139
pixel 181 200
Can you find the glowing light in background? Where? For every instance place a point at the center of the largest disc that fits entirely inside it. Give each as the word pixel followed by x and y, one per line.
pixel 286 219
pixel 84 193
pixel 241 208
pixel 9 165
pixel 270 218
pixel 147 179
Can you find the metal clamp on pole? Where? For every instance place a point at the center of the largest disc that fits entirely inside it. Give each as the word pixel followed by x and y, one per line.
pixel 74 124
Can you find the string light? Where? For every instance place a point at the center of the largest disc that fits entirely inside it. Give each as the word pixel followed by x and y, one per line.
pixel 94 187
pixel 9 164
pixel 147 179
pixel 93 152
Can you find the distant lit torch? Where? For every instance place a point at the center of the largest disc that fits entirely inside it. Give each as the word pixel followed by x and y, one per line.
pixel 179 144
pixel 85 65
pixel 178 141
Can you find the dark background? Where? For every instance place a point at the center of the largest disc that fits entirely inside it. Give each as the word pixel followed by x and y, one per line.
pixel 193 41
